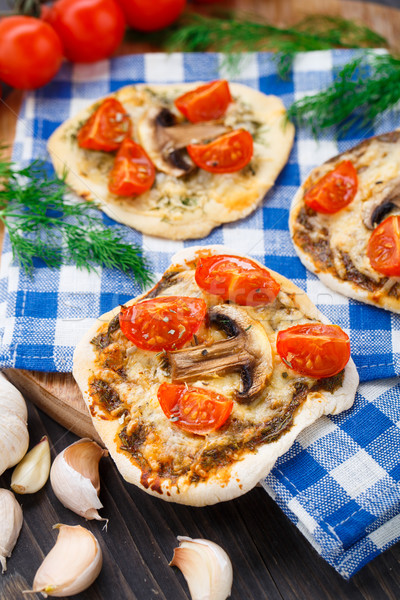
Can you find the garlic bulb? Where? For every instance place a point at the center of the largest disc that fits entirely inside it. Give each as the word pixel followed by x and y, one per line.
pixel 10 524
pixel 206 568
pixel 30 475
pixel 14 437
pixel 72 564
pixel 75 479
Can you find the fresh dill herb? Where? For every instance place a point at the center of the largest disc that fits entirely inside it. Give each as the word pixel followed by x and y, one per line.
pixel 362 90
pixel 43 222
pixel 235 35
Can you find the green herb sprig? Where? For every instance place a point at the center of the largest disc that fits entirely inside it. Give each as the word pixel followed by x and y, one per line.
pixel 362 91
pixel 232 36
pixel 44 222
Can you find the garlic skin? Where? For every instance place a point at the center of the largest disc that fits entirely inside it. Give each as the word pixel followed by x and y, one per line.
pixel 206 568
pixel 11 520
pixel 75 479
pixel 30 475
pixel 72 564
pixel 14 437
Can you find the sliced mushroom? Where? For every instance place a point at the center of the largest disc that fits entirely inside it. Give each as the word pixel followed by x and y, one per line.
pixel 165 141
pixel 385 198
pixel 247 350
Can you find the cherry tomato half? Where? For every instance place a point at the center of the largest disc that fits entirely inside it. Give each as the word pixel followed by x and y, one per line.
pixel 89 30
pixel 194 409
pixel 237 279
pixel 30 52
pixel 206 102
pixel 383 248
pixel 335 190
pixel 146 15
pixel 314 349
pixel 133 172
pixel 228 153
pixel 106 128
pixel 165 323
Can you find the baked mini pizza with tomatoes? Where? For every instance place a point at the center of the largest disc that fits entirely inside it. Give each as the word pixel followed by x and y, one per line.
pixel 345 222
pixel 175 160
pixel 199 385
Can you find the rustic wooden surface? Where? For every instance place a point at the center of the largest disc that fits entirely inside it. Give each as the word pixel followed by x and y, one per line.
pixel 271 559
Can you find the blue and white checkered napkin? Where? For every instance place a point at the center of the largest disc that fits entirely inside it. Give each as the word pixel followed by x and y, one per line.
pixel 340 482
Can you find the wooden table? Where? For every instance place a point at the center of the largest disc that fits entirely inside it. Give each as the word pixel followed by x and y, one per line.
pixel 271 559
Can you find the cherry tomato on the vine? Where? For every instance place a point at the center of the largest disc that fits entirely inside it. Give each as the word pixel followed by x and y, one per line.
pixel 106 128
pixel 206 102
pixel 30 52
pixel 314 349
pixel 133 172
pixel 146 15
pixel 194 409
pixel 89 30
pixel 164 323
pixel 237 279
pixel 383 248
pixel 226 154
pixel 335 190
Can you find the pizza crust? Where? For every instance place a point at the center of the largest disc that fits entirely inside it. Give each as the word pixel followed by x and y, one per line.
pixel 213 198
pixel 246 473
pixel 378 158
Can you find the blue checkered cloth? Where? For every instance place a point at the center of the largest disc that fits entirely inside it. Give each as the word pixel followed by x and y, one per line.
pixel 340 481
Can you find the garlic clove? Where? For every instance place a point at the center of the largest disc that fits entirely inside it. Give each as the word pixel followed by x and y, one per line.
pixel 75 479
pixel 72 564
pixel 10 524
pixel 14 437
pixel 30 475
pixel 206 568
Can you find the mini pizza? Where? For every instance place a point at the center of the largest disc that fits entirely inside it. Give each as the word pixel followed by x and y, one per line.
pixel 199 385
pixel 175 161
pixel 345 222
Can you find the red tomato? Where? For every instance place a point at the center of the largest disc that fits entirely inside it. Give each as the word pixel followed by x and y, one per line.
pixel 106 128
pixel 89 30
pixel 133 172
pixel 383 248
pixel 237 279
pixel 146 15
pixel 314 349
pixel 206 102
pixel 30 52
pixel 228 153
pixel 335 190
pixel 194 409
pixel 165 323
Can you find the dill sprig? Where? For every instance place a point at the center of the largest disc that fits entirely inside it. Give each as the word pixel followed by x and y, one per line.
pixel 44 222
pixel 362 90
pixel 234 35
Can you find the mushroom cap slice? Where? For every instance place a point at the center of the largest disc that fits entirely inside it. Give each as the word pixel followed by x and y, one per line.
pixel 385 198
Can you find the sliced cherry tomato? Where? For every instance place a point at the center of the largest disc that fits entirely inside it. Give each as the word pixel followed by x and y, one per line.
pixel 146 15
pixel 314 349
pixel 89 30
pixel 335 190
pixel 165 323
pixel 106 128
pixel 228 153
pixel 206 102
pixel 383 248
pixel 30 52
pixel 237 279
pixel 194 409
pixel 133 172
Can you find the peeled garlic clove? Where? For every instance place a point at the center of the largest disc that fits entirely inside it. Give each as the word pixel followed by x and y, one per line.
pixel 14 437
pixel 75 479
pixel 206 568
pixel 72 564
pixel 30 475
pixel 10 524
